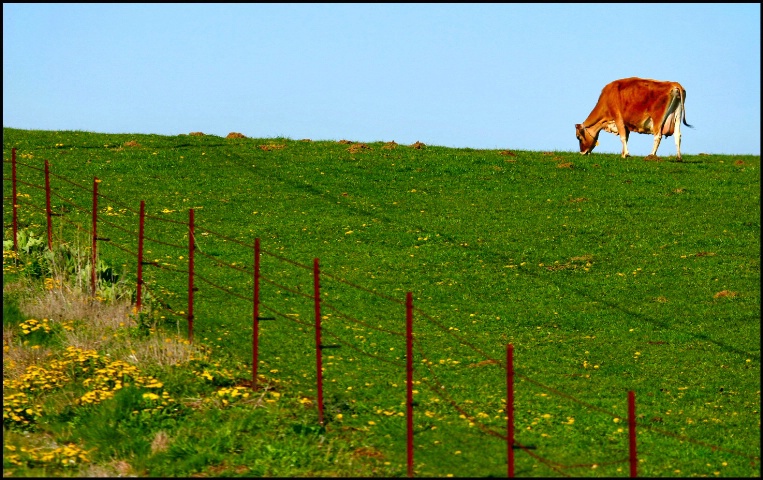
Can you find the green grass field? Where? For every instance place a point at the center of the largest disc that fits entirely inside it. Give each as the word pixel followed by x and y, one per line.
pixel 606 274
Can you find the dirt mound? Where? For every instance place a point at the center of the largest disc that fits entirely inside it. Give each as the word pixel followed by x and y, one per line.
pixel 389 145
pixel 418 145
pixel 236 135
pixel 507 152
pixel 358 147
pixel 131 143
pixel 196 134
pixel 345 142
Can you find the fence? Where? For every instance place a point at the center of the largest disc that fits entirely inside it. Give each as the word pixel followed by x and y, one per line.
pixel 429 379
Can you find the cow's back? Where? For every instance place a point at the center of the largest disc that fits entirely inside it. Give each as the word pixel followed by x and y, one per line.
pixel 641 102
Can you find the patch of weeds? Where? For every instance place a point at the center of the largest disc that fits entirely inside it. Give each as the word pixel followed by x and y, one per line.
pixel 64 264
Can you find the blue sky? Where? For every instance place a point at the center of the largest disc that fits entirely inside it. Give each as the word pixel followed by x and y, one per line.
pixel 458 75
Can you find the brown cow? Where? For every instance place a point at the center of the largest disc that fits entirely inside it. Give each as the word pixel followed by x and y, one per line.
pixel 635 105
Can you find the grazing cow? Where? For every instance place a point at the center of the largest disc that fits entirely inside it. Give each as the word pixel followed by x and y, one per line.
pixel 635 105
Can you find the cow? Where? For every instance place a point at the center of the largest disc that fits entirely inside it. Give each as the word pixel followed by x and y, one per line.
pixel 635 105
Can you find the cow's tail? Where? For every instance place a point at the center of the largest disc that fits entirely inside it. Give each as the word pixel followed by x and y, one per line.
pixel 683 107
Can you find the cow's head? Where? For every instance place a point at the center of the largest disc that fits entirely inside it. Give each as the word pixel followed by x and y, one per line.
pixel 586 140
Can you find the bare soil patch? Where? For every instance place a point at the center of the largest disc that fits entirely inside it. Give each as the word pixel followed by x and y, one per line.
pixel 358 147
pixel 271 146
pixel 726 294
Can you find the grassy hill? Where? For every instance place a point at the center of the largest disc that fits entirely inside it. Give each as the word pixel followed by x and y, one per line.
pixel 608 275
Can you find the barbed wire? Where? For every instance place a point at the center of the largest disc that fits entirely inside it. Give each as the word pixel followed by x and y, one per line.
pixel 284 287
pixel 285 315
pixel 77 207
pixel 212 232
pixel 31 206
pixel 23 164
pixel 156 298
pixel 166 220
pixel 221 288
pixel 441 392
pixel 450 332
pixel 118 227
pixel 697 442
pixel 120 204
pixel 284 259
pixel 27 184
pixel 224 264
pixel 124 249
pixel 367 290
pixel 167 244
pixel 362 352
pixel 360 322
pixel 59 177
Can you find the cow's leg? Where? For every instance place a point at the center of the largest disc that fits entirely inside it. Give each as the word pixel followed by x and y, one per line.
pixel 623 136
pixel 677 132
pixel 657 138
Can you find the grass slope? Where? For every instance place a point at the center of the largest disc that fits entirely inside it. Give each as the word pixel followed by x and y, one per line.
pixel 607 275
